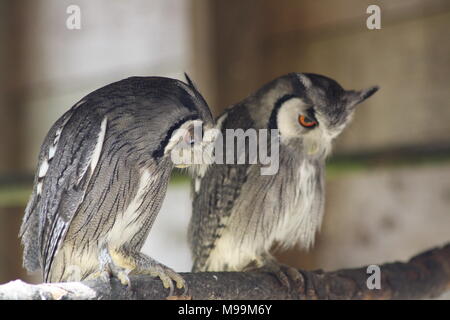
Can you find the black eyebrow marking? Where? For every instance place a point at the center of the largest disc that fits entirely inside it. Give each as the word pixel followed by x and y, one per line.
pixel 272 124
pixel 159 152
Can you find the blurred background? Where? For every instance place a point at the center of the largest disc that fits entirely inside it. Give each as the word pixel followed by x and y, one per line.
pixel 388 181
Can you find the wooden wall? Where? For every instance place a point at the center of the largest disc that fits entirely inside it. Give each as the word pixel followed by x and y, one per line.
pixel 377 210
pixel 13 20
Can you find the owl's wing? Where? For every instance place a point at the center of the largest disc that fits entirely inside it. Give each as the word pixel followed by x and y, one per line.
pixel 215 193
pixel 214 196
pixel 68 157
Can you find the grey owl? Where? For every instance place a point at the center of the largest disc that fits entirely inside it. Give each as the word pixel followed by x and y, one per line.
pixel 102 174
pixel 238 215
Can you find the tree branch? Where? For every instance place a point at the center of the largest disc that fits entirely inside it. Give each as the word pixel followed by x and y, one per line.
pixel 426 275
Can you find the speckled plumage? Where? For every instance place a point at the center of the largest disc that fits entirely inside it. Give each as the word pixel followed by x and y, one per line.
pixel 238 214
pixel 102 174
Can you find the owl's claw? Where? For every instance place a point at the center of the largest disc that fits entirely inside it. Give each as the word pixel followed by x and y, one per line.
pixel 106 274
pixel 167 282
pixel 109 269
pixel 120 263
pixel 167 276
pixel 122 275
pixel 179 281
pixel 287 275
pixel 295 275
pixel 275 269
pixel 284 274
pixel 282 277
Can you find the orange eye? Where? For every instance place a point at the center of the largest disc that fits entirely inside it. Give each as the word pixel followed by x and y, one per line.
pixel 306 122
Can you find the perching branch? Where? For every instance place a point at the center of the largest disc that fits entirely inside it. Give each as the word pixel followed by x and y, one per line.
pixel 426 275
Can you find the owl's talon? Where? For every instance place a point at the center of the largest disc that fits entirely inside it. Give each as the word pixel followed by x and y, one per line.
pixel 284 274
pixel 109 269
pixel 167 276
pixel 185 291
pixel 283 278
pixel 105 276
pixel 167 283
pixel 122 275
pixel 277 273
pixel 295 275
pixel 180 285
pixel 179 281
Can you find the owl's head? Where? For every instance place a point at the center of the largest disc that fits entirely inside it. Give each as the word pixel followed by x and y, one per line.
pixel 307 108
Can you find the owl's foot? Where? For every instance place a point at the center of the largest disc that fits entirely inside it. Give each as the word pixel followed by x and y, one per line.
pixel 111 268
pixel 284 274
pixel 149 266
pixel 120 263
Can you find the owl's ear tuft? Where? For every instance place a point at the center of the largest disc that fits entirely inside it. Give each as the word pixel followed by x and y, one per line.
pixel 190 82
pixel 367 93
pixel 354 98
